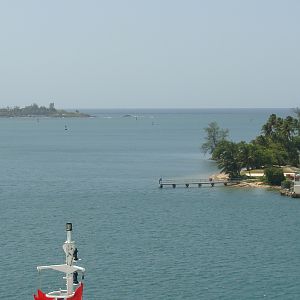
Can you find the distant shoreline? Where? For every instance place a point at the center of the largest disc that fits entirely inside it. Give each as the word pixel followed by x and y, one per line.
pixel 35 111
pixel 46 116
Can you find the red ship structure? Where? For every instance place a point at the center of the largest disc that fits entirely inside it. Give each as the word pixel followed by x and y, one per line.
pixel 74 288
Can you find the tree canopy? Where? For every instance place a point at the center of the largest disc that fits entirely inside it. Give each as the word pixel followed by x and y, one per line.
pixel 277 145
pixel 214 135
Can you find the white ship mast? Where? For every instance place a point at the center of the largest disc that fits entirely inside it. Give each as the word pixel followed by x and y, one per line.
pixel 70 270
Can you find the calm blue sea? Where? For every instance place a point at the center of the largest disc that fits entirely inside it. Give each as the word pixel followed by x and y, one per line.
pixel 138 241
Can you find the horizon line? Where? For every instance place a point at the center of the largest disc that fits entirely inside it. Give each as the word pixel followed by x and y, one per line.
pixel 176 108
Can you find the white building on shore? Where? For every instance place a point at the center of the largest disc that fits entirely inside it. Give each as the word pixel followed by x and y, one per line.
pixel 296 188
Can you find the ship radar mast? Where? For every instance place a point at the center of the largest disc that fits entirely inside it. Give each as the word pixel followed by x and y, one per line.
pixel 69 269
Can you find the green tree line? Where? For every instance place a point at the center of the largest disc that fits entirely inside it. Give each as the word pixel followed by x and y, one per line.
pixel 277 145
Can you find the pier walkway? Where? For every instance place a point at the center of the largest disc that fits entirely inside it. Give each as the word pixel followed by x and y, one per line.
pixel 196 182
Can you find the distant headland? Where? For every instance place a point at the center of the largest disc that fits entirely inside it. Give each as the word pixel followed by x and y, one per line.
pixel 34 110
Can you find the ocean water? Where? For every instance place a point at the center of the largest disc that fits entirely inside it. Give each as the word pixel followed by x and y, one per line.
pixel 138 241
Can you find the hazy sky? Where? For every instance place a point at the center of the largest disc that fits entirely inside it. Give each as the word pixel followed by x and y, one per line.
pixel 158 53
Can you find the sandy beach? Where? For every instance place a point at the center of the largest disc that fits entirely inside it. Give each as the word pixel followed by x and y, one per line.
pixel 243 183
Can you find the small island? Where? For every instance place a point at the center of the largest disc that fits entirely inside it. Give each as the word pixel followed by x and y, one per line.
pixel 40 111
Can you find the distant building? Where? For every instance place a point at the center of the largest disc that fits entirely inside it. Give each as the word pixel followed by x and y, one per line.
pixel 296 189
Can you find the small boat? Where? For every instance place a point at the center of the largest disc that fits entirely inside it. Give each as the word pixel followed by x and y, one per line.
pixel 74 288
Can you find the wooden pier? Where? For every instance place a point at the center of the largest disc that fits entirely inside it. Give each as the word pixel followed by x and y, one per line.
pixel 195 182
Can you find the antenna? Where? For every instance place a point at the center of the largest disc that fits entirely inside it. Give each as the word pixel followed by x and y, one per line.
pixel 69 248
pixel 70 270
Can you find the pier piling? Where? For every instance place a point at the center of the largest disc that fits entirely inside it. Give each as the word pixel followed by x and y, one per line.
pixel 197 182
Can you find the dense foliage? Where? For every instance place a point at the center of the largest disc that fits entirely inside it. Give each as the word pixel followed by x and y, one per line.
pixel 274 176
pixel 286 184
pixel 277 145
pixel 227 156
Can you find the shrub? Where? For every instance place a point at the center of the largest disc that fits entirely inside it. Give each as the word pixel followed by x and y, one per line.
pixel 274 176
pixel 286 184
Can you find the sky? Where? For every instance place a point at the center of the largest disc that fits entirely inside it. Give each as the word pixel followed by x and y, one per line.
pixel 150 54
